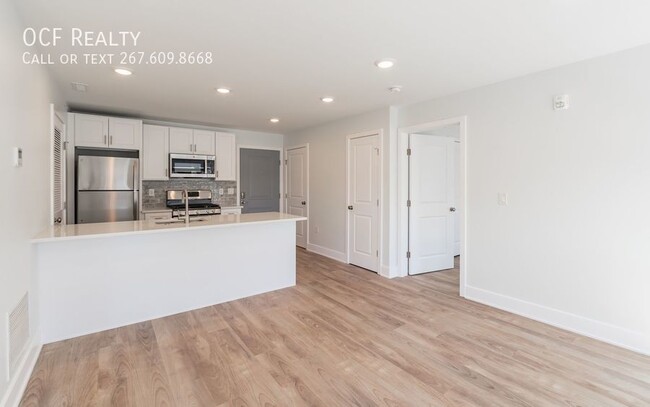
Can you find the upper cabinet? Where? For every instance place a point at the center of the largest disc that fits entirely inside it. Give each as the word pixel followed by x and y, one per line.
pixel 189 141
pixel 226 157
pixel 181 140
pixel 155 152
pixel 107 132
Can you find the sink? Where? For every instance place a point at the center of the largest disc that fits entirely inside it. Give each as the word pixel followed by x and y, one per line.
pixel 177 221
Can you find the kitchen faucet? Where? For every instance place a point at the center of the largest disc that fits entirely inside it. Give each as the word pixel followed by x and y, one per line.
pixel 186 198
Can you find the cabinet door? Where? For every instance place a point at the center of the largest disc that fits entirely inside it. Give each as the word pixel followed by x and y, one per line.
pixel 155 152
pixel 226 157
pixel 204 142
pixel 124 133
pixel 90 130
pixel 181 140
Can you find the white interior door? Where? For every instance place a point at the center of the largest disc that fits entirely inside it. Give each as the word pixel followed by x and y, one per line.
pixel 58 170
pixel 363 202
pixel 457 187
pixel 298 189
pixel 431 193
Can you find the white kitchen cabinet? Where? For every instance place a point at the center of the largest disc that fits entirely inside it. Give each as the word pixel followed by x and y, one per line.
pixel 90 130
pixel 107 132
pixel 158 215
pixel 181 140
pixel 204 142
pixel 124 134
pixel 155 152
pixel 189 141
pixel 226 157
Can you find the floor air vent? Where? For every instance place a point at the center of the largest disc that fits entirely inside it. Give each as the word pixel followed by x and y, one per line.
pixel 18 332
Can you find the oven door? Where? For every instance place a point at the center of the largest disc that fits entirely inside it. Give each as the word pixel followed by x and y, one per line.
pixel 191 166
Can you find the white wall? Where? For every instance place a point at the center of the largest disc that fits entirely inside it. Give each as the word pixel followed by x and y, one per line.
pixel 24 114
pixel 573 246
pixel 327 177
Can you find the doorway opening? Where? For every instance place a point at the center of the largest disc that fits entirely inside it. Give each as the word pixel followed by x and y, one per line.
pixel 431 217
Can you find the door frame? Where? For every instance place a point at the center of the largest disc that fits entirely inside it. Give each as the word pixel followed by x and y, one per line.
pixel 403 193
pixel 286 183
pixel 380 238
pixel 238 169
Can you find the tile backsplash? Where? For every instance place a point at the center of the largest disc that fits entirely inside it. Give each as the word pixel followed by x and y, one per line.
pixel 160 188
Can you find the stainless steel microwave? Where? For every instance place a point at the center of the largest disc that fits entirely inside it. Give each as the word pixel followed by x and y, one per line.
pixel 191 166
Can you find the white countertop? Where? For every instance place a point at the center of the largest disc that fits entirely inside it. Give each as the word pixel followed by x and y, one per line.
pixel 109 229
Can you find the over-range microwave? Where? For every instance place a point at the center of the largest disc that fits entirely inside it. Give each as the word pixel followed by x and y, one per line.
pixel 191 166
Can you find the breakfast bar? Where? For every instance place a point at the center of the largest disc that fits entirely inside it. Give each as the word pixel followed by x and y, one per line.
pixel 94 277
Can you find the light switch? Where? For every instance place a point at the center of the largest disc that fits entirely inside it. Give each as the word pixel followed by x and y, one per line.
pixel 220 191
pixel 231 191
pixel 502 199
pixel 151 192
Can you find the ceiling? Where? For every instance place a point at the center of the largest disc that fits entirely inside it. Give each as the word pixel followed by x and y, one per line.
pixel 280 56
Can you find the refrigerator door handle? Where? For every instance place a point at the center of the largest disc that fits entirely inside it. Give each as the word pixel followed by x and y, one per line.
pixel 136 188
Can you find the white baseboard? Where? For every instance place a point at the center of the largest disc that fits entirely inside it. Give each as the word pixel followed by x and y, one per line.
pixel 18 382
pixel 615 335
pixel 385 271
pixel 324 251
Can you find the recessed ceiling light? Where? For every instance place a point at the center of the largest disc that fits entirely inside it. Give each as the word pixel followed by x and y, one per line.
pixel 223 91
pixel 395 89
pixel 123 71
pixel 274 120
pixel 327 99
pixel 385 63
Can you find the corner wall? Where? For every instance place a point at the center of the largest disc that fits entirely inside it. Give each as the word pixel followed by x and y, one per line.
pixel 327 179
pixel 27 92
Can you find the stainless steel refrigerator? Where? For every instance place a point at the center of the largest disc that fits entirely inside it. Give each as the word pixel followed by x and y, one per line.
pixel 107 185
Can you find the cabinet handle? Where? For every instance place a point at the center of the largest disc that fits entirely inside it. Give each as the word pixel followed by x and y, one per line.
pixel 110 140
pixel 105 139
pixel 217 174
pixel 195 148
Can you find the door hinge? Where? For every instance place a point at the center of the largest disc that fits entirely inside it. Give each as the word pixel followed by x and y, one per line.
pixel 377 149
pixel 377 253
pixel 279 196
pixel 408 151
pixel 286 162
pixel 377 202
pixel 279 162
pixel 408 203
pixel 286 195
pixel 408 255
pixel 65 145
pixel 65 205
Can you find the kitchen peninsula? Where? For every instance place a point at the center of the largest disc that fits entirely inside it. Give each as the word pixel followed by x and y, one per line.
pixel 94 277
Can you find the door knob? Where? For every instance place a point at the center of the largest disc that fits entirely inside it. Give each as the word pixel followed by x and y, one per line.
pixel 350 207
pixel 303 203
pixel 58 220
pixel 452 209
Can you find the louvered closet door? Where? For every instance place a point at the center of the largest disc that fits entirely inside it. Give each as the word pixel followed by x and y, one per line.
pixel 58 170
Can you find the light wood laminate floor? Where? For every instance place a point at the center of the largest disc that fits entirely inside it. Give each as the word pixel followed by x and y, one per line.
pixel 342 337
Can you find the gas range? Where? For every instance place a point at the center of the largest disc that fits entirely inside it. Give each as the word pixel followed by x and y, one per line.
pixel 200 203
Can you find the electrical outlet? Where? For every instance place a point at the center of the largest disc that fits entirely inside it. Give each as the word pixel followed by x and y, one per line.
pixel 151 192
pixel 502 199
pixel 316 230
pixel 231 191
pixel 220 191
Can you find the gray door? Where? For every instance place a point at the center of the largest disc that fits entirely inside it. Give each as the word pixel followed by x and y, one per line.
pixel 259 180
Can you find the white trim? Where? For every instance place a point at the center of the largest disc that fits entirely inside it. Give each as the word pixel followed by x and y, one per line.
pixel 22 374
pixel 384 271
pixel 285 192
pixel 624 338
pixel 402 193
pixel 380 238
pixel 324 251
pixel 253 147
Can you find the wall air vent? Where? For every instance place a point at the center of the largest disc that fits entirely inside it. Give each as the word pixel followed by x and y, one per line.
pixel 18 321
